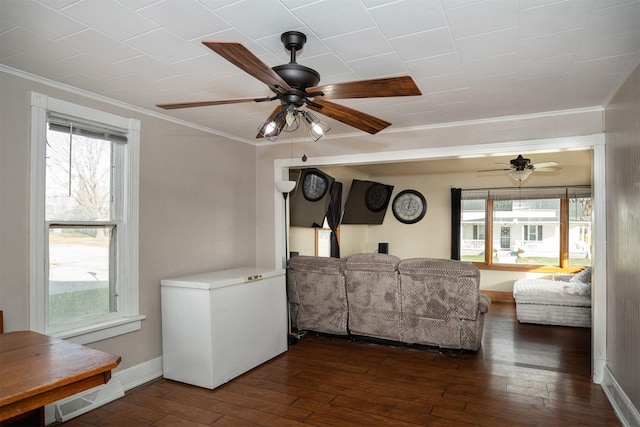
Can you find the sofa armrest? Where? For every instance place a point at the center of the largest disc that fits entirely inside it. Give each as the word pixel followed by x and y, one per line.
pixel 484 303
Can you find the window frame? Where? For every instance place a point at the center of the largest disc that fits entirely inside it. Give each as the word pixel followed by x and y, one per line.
pixel 127 318
pixel 325 227
pixel 563 265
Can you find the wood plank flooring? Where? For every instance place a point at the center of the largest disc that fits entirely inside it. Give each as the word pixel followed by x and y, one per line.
pixel 524 375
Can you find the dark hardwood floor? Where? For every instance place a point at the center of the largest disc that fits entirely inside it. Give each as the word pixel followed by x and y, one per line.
pixel 529 375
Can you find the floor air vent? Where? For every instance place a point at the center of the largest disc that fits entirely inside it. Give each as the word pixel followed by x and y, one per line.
pixel 91 399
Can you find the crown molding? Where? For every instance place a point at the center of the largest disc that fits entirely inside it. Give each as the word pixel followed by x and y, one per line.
pixel 116 103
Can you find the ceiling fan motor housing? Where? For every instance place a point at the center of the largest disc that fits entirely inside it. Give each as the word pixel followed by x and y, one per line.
pixel 520 163
pixel 297 76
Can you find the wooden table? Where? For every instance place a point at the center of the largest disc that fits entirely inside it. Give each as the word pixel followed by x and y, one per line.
pixel 36 370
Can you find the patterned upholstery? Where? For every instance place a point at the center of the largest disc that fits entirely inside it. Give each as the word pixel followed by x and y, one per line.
pixel 317 296
pixel 373 292
pixel 417 301
pixel 441 303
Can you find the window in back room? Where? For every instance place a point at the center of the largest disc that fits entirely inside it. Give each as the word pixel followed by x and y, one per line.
pixel 548 227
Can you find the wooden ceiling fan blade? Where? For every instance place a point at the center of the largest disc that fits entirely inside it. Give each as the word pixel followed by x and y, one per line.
pixel 262 131
pixel 375 88
pixel 244 59
pixel 207 103
pixel 349 116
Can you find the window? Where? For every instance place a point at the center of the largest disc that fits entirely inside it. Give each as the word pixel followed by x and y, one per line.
pixel 84 221
pixel 527 228
pixel 323 240
pixel 533 232
pixel 478 232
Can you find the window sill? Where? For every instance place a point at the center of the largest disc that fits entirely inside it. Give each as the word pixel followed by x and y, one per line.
pixel 530 268
pixel 102 331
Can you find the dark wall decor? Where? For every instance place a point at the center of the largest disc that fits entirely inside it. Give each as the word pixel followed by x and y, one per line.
pixel 367 202
pixel 310 198
pixel 409 206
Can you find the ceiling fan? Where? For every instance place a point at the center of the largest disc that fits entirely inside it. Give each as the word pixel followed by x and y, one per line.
pixel 520 168
pixel 295 85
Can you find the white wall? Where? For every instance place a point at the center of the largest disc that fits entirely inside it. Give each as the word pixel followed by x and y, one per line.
pixel 623 246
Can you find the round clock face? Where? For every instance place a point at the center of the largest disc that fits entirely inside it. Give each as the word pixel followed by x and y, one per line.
pixel 314 186
pixel 409 206
pixel 376 197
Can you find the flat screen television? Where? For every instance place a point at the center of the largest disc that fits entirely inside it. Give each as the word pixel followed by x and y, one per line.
pixel 367 202
pixel 310 198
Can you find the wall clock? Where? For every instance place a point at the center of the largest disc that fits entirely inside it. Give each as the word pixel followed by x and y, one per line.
pixel 409 206
pixel 314 186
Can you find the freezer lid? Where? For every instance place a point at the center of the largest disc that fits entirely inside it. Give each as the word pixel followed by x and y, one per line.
pixel 219 279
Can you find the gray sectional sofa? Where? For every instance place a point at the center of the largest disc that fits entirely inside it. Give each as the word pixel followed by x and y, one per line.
pixel 426 301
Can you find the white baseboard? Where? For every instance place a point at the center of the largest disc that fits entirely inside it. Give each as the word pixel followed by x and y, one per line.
pixel 129 378
pixel 140 374
pixel 623 407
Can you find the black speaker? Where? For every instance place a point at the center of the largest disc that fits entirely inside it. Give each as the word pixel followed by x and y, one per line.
pixel 383 248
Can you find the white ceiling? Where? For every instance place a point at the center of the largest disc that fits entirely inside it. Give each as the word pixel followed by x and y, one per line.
pixel 471 59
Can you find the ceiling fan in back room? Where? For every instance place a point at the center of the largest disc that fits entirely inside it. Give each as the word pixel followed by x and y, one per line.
pixel 295 85
pixel 520 168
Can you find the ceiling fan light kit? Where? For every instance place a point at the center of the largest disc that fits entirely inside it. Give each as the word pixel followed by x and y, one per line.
pixel 295 85
pixel 520 175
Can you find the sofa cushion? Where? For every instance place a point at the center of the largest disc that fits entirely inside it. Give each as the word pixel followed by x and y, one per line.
pixel 438 267
pixel 439 288
pixel 373 262
pixel 317 264
pixel 373 294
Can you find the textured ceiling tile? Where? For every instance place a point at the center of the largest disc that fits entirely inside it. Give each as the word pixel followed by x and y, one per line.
pixel 436 66
pixel 358 45
pixel 493 66
pixel 147 66
pixel 488 45
pixel 188 20
pixel 417 16
pixel 550 45
pixel 614 45
pixel 424 45
pixel 111 18
pixel 613 20
pixel 482 17
pixel 376 66
pixel 41 19
pixel 543 67
pixel 35 45
pixel 258 18
pixel 441 83
pixel 554 18
pixel 451 96
pixel 106 48
pixel 164 46
pixel 335 17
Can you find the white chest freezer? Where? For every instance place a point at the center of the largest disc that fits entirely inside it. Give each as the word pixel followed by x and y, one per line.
pixel 218 325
